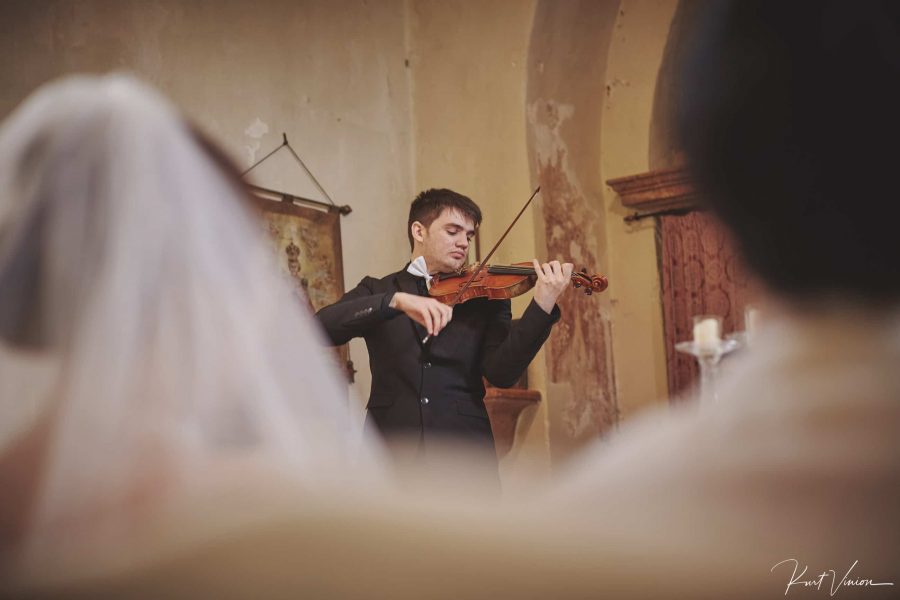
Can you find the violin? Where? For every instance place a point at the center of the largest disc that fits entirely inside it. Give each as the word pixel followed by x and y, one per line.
pixel 497 282
pixel 500 282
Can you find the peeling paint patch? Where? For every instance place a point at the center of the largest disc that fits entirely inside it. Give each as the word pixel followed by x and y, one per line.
pixel 251 149
pixel 577 352
pixel 257 129
pixel 616 82
pixel 576 253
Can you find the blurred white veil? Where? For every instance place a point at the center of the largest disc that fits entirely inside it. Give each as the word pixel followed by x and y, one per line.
pixel 142 318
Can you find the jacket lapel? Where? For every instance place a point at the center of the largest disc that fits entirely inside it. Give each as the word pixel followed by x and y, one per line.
pixel 406 282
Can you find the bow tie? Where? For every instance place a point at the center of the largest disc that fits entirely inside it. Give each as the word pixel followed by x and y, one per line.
pixel 418 268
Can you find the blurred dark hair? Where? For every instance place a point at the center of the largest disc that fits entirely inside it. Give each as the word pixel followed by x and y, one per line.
pixel 226 166
pixel 429 205
pixel 787 113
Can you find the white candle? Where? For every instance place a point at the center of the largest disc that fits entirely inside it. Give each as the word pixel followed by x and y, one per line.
pixel 706 333
pixel 751 322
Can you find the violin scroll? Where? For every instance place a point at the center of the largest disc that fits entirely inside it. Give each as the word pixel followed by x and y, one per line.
pixel 590 283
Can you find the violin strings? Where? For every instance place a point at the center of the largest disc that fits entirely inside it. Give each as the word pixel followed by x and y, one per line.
pixel 510 270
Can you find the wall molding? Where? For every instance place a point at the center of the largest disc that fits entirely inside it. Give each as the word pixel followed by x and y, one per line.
pixel 658 190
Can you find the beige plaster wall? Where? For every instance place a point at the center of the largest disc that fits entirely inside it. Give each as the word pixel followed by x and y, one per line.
pixel 635 56
pixel 330 74
pixel 468 63
pixel 468 87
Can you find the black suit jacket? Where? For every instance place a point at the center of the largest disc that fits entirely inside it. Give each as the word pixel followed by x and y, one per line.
pixel 435 388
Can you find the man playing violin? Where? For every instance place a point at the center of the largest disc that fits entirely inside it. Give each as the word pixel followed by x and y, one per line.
pixel 427 358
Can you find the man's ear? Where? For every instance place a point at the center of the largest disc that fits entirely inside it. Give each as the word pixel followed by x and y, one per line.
pixel 418 231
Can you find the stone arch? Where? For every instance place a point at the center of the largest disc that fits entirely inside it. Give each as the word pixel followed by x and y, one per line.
pixel 591 77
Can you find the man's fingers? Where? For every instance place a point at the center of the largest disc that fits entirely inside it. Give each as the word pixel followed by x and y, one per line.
pixel 539 271
pixel 440 315
pixel 567 270
pixel 543 270
pixel 430 314
pixel 437 316
pixel 427 321
pixel 556 269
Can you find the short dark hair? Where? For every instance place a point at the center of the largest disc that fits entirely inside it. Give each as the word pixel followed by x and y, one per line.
pixel 429 205
pixel 785 112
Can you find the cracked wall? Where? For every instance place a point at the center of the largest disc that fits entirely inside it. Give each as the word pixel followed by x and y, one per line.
pixel 567 61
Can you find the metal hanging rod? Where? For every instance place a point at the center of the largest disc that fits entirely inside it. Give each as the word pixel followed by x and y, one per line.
pixel 680 212
pixel 344 210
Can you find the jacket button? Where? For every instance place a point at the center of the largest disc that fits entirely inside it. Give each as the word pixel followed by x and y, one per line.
pixel 428 365
pixel 425 400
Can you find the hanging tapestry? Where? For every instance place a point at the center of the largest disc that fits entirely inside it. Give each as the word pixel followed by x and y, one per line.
pixel 307 246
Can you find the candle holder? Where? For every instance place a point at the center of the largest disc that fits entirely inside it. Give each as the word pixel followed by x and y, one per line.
pixel 708 357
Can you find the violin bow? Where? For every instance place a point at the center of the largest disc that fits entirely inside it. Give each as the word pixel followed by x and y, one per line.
pixel 488 257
